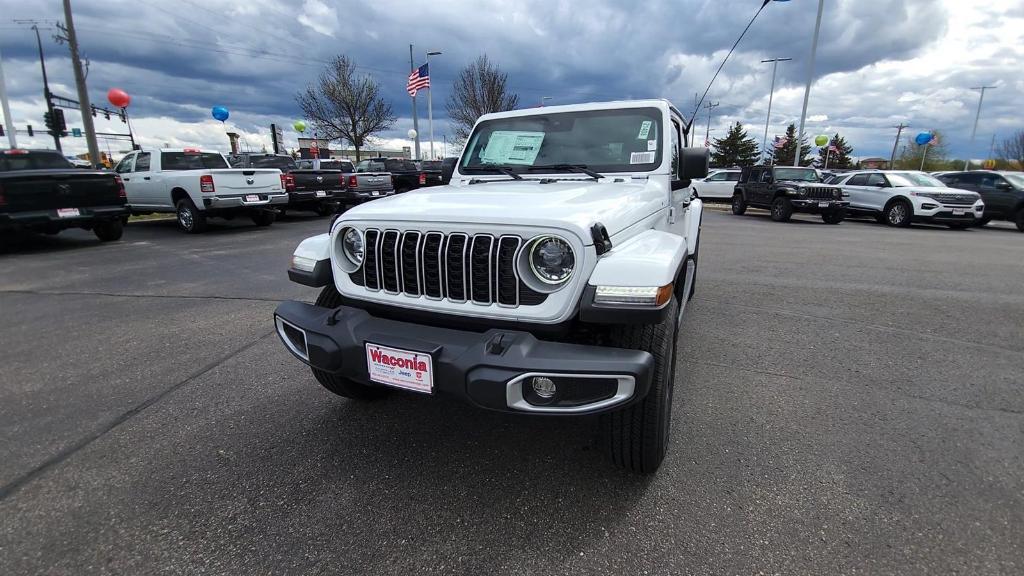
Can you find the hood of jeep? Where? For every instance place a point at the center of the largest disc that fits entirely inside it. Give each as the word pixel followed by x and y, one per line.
pixel 805 184
pixel 569 205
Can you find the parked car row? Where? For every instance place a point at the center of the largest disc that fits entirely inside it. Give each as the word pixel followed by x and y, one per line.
pixel 894 197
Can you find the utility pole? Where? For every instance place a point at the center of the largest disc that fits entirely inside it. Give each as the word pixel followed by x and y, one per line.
pixel 768 119
pixel 83 91
pixel 899 132
pixel 12 137
pixel 46 88
pixel 415 121
pixel 707 135
pixel 810 79
pixel 974 130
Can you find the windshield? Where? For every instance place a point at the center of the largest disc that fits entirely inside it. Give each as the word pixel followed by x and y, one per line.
pixel 621 140
pixel 801 174
pixel 32 161
pixel 281 162
pixel 191 160
pixel 908 179
pixel 1016 179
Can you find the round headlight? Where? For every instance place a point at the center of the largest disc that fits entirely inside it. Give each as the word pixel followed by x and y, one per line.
pixel 352 245
pixel 551 259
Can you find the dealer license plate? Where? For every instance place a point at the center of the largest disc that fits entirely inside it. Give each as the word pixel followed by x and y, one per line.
pixel 959 211
pixel 252 198
pixel 400 368
pixel 68 212
pixel 321 194
pixel 375 193
pixel 823 204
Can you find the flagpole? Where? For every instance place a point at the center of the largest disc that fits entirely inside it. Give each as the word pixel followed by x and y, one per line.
pixel 415 121
pixel 430 103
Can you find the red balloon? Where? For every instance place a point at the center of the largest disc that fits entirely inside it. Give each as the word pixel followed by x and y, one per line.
pixel 119 97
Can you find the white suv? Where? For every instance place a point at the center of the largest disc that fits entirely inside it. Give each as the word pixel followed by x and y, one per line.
pixel 549 277
pixel 719 185
pixel 898 198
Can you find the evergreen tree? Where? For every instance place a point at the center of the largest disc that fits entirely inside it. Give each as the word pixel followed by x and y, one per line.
pixel 736 149
pixel 784 156
pixel 840 158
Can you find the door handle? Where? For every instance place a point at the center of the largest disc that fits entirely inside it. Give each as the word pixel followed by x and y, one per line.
pixel 126 179
pixel 145 177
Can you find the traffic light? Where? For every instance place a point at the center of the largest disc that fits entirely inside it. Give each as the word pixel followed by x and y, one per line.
pixel 58 120
pixel 48 120
pixel 30 131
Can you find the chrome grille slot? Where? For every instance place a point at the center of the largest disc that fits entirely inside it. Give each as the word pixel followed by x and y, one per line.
pixel 458 267
pixel 371 260
pixel 506 278
pixel 455 266
pixel 410 263
pixel 389 261
pixel 431 258
pixel 480 269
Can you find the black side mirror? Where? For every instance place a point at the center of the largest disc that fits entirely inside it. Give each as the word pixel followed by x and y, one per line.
pixel 1005 186
pixel 694 163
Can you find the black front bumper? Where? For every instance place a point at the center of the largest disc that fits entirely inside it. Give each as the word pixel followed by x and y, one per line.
pixel 480 368
pixel 813 206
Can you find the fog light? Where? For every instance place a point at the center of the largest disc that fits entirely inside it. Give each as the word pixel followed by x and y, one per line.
pixel 633 295
pixel 543 387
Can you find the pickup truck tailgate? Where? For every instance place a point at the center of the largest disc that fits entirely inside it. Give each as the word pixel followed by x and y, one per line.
pixel 311 180
pixel 53 189
pixel 246 180
pixel 370 181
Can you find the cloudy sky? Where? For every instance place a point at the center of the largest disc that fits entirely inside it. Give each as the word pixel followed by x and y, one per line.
pixel 880 62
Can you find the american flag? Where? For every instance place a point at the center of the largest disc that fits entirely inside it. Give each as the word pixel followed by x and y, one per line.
pixel 833 148
pixel 780 142
pixel 418 80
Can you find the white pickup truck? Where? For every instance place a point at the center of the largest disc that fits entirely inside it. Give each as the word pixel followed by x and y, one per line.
pixel 549 277
pixel 199 184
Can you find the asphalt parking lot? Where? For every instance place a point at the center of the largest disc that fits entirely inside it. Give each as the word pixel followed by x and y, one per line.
pixel 849 400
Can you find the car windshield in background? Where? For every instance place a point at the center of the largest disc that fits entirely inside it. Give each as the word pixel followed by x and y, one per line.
pixel 1015 179
pixel 399 166
pixel 191 160
pixel 623 140
pixel 332 165
pixel 280 162
pixel 430 165
pixel 32 161
pixel 801 174
pixel 908 179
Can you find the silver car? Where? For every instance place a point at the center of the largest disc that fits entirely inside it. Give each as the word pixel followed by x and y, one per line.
pixel 899 198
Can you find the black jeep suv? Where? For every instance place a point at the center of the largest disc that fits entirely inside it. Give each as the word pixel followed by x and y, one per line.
pixel 788 189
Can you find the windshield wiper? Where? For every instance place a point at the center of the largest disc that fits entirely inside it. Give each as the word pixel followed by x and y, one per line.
pixel 580 168
pixel 497 168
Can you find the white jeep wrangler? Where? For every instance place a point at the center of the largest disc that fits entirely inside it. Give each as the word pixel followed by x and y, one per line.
pixel 550 277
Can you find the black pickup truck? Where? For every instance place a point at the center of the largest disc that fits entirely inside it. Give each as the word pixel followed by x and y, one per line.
pixel 308 188
pixel 405 175
pixel 41 191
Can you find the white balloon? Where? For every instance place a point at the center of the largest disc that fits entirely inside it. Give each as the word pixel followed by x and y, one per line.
pixel 411 133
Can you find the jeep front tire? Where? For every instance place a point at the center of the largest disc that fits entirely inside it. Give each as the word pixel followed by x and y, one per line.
pixel 636 438
pixel 782 209
pixel 739 205
pixel 345 387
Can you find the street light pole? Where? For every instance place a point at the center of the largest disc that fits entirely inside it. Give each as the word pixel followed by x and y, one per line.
pixel 810 79
pixel 12 137
pixel 430 104
pixel 974 130
pixel 707 134
pixel 46 88
pixel 771 93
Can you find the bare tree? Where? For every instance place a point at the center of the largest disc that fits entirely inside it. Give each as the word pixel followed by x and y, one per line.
pixel 1012 148
pixel 342 105
pixel 481 88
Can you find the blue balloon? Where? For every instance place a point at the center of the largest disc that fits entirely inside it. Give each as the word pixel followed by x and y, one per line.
pixel 923 138
pixel 220 113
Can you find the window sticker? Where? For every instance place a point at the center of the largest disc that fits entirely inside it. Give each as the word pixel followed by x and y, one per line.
pixel 512 147
pixel 652 145
pixel 641 157
pixel 645 129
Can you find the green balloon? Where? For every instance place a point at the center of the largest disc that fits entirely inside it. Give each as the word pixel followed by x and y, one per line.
pixel 299 126
pixel 821 140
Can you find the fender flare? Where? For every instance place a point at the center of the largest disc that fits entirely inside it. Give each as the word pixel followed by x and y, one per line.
pixel 318 249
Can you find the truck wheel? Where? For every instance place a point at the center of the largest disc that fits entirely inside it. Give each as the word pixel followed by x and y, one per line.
pixel 190 220
pixel 833 216
pixel 739 205
pixel 108 231
pixel 264 217
pixel 782 209
pixel 898 214
pixel 636 438
pixel 329 298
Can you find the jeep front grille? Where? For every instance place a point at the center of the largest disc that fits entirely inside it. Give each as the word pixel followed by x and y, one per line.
pixel 817 193
pixel 457 267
